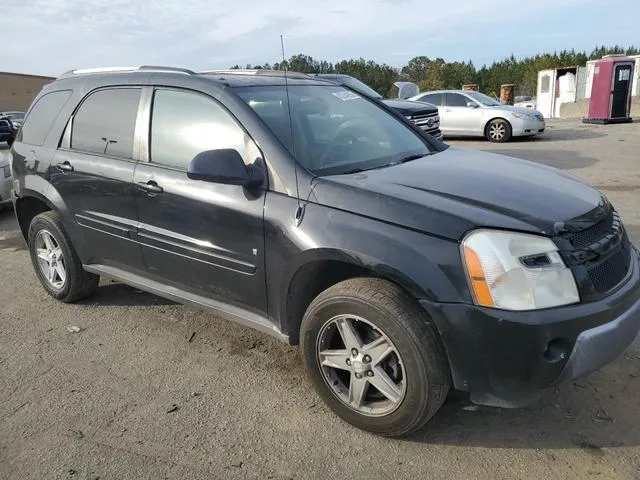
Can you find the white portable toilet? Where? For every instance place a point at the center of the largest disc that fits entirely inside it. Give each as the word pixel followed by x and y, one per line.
pixel 635 86
pixel 546 93
pixel 591 66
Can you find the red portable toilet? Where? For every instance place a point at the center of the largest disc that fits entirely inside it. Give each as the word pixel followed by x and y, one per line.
pixel 611 90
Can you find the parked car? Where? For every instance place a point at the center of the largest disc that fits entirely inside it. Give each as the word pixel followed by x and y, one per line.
pixel 16 118
pixel 468 113
pixel 5 182
pixel 400 265
pixel 524 101
pixel 7 132
pixel 423 114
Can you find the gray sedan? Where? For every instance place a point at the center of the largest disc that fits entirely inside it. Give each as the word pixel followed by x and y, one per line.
pixel 468 113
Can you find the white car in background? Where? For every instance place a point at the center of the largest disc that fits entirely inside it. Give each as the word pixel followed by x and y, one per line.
pixel 473 114
pixel 5 182
pixel 525 102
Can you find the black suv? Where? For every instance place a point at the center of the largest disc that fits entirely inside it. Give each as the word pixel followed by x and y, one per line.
pixel 299 207
pixel 423 114
pixel 7 130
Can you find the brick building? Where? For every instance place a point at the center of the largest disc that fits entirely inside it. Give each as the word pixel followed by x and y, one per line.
pixel 17 90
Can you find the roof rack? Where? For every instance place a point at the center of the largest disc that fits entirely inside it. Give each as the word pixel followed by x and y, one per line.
pixel 258 72
pixel 142 68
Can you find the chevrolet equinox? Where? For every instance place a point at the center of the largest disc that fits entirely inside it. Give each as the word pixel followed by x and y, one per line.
pixel 402 267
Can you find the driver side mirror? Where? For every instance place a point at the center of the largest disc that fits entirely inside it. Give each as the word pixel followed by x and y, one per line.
pixel 224 166
pixel 471 104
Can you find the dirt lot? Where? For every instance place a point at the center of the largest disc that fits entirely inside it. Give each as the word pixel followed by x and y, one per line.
pixel 149 389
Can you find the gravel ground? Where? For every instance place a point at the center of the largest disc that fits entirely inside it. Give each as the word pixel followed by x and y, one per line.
pixel 148 389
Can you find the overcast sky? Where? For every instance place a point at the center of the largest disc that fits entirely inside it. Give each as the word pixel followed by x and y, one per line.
pixel 51 36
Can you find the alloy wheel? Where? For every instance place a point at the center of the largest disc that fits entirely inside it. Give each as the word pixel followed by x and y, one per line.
pixel 50 259
pixel 361 365
pixel 497 131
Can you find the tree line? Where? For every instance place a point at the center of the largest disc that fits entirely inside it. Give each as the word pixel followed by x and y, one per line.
pixel 436 73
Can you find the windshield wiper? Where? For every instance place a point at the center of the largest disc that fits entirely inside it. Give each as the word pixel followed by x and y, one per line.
pixel 408 158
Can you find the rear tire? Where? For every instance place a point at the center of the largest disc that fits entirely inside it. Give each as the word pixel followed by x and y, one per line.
pixel 412 373
pixel 56 262
pixel 498 131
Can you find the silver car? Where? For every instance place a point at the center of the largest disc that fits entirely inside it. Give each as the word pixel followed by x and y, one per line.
pixel 5 181
pixel 468 113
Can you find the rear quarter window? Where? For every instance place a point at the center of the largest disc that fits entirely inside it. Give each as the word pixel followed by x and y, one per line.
pixel 42 116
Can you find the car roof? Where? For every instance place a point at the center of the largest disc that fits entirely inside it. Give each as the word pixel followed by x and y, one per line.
pixel 443 91
pixel 241 80
pixel 224 78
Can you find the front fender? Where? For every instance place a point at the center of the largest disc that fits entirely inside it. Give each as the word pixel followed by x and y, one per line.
pixel 427 267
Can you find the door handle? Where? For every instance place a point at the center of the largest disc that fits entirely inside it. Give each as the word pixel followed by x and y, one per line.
pixel 150 187
pixel 447 109
pixel 65 167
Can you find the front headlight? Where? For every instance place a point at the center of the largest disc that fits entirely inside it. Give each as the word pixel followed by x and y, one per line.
pixel 516 271
pixel 523 116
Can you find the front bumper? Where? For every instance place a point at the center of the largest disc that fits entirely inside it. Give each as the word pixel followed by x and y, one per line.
pixel 523 127
pixel 508 359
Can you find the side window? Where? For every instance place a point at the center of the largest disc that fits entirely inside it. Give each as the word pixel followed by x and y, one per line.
pixel 106 121
pixel 41 117
pixel 184 124
pixel 456 100
pixel 433 98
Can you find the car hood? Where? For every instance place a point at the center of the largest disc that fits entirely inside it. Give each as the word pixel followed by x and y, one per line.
pixel 406 107
pixel 514 109
pixel 449 193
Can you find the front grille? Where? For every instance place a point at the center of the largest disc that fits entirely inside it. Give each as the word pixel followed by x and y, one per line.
pixel 589 236
pixel 426 121
pixel 608 273
pixel 602 252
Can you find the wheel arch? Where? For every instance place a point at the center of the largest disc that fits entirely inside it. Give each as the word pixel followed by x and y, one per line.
pixel 498 117
pixel 27 206
pixel 320 270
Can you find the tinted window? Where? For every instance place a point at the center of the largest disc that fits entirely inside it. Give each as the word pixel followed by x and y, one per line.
pixel 433 98
pixel 106 121
pixel 184 124
pixel 456 100
pixel 42 116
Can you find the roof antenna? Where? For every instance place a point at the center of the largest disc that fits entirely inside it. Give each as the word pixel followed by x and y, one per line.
pixel 299 209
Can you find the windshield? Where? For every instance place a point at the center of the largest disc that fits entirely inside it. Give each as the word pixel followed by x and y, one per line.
pixel 483 99
pixel 335 130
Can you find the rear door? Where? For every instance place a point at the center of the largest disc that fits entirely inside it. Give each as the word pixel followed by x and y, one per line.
pixel 93 172
pixel 460 118
pixel 206 238
pixel 437 99
pixel 621 90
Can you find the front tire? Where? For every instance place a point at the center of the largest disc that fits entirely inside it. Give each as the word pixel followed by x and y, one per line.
pixel 56 262
pixel 498 131
pixel 374 357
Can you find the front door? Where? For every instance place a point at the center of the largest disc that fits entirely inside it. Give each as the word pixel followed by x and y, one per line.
pixel 206 238
pixel 93 173
pixel 459 118
pixel 620 91
pixel 546 95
